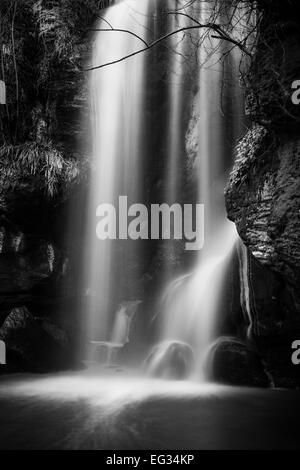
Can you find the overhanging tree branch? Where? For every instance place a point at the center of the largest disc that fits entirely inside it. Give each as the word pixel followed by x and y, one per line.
pixel 122 31
pixel 211 26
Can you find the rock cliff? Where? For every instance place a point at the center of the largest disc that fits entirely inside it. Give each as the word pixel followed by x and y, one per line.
pixel 263 192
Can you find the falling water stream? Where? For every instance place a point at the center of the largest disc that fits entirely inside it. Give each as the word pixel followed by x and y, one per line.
pixel 112 408
pixel 117 119
pixel 191 301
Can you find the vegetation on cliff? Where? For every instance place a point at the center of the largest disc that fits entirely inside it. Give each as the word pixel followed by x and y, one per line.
pixel 41 48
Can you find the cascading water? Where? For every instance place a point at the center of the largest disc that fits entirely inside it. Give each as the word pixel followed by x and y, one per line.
pixel 119 118
pixel 192 301
pixel 174 168
pixel 174 164
pixel 117 110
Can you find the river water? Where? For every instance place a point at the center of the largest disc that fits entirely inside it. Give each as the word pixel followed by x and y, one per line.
pixel 113 411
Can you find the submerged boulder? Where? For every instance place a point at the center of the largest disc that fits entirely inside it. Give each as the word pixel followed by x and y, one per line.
pixel 170 360
pixel 231 362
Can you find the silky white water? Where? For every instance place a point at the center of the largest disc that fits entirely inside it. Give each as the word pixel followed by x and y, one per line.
pixel 80 411
pixel 191 301
pixel 117 115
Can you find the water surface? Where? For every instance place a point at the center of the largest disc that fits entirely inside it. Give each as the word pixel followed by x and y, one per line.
pixel 89 411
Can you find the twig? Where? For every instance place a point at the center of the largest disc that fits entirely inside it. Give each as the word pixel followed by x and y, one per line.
pixel 120 31
pixel 212 26
pixel 105 21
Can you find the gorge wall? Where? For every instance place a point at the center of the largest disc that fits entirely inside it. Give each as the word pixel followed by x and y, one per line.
pixel 263 193
pixel 43 44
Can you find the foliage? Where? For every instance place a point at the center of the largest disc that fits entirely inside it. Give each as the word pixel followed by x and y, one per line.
pixel 38 38
pixel 41 45
pixel 51 171
pixel 275 66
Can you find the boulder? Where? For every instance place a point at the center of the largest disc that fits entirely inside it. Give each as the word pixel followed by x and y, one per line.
pixel 231 362
pixel 170 360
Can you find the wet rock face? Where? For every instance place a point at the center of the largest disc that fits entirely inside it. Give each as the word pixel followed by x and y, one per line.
pixel 33 345
pixel 263 199
pixel 272 302
pixel 26 262
pixel 263 193
pixel 231 362
pixel 272 307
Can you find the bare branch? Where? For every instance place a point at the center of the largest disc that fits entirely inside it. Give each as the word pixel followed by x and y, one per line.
pixel 121 31
pixel 107 22
pixel 212 26
pixel 176 13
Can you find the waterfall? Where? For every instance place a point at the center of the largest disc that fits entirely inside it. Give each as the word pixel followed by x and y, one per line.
pixel 245 286
pixel 117 114
pixel 174 165
pixel 120 114
pixel 192 301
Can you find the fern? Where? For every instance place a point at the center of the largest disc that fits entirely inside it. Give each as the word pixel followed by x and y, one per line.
pixel 44 161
